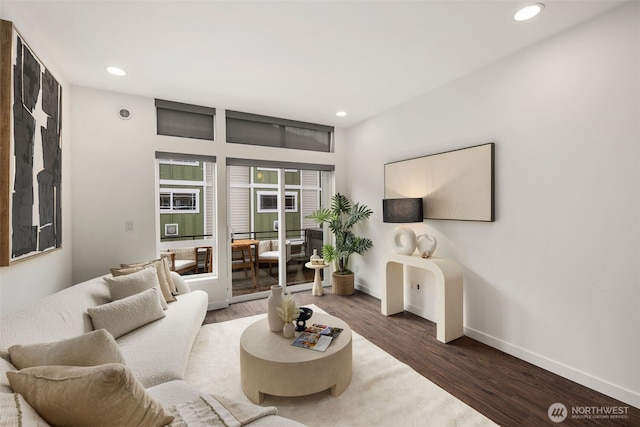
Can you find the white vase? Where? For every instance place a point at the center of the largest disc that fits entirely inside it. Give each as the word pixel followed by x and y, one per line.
pixel 426 245
pixel 288 330
pixel 273 302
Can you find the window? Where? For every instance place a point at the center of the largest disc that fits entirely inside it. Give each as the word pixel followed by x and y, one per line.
pixel 253 129
pixel 185 120
pixel 179 200
pixel 268 201
pixel 186 199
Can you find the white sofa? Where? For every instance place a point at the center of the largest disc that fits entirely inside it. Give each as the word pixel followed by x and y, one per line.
pixel 156 353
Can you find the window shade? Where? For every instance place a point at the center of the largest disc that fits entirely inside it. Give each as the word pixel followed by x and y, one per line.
pixel 185 120
pixel 253 129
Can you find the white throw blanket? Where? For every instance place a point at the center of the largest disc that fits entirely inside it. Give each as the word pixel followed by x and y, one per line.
pixel 216 411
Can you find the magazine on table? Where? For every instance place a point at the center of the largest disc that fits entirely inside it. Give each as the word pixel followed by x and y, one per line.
pixel 317 337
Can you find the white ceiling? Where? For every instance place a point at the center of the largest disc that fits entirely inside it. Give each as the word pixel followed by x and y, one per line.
pixel 301 60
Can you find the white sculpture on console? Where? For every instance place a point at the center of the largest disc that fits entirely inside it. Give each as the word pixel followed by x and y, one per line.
pixel 426 245
pixel 404 240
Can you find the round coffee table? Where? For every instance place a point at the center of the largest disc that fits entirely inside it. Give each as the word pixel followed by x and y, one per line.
pixel 269 364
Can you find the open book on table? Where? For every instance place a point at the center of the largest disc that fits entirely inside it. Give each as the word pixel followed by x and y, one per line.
pixel 317 337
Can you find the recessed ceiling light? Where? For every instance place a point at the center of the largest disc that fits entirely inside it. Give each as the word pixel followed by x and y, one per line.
pixel 116 71
pixel 341 113
pixel 528 12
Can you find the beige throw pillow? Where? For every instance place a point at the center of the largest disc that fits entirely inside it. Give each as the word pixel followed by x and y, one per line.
pixel 164 277
pixel 93 348
pixel 166 258
pixel 123 271
pixel 134 283
pixel 16 412
pixel 163 271
pixel 125 315
pixel 98 396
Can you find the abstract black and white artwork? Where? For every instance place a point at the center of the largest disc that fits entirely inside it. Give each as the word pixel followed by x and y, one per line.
pixel 30 152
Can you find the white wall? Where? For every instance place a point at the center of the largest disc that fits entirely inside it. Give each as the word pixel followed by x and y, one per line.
pixel 114 181
pixel 112 162
pixel 44 274
pixel 555 279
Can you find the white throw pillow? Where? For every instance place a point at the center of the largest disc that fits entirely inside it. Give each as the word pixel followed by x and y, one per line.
pixel 5 365
pixel 90 349
pixel 125 315
pixel 180 283
pixel 134 283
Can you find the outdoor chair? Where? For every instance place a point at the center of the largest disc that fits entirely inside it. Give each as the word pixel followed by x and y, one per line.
pixel 268 252
pixel 191 259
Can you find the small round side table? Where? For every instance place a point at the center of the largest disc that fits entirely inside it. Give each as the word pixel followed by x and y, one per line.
pixel 317 283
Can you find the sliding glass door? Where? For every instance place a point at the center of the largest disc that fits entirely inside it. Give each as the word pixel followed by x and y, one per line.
pixel 271 237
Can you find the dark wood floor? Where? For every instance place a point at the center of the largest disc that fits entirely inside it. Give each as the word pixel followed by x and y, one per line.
pixel 507 390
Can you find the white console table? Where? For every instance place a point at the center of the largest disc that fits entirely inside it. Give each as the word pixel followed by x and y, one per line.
pixel 448 275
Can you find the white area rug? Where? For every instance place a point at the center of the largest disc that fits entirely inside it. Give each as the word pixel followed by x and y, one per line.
pixel 383 391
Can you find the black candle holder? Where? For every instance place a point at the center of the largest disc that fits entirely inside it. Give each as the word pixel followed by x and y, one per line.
pixel 301 321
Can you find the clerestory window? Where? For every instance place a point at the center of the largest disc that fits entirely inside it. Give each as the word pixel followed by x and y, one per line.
pixel 253 129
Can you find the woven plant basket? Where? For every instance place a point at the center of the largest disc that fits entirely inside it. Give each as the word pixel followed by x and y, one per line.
pixel 343 284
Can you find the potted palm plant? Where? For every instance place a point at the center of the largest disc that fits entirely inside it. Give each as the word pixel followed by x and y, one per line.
pixel 341 217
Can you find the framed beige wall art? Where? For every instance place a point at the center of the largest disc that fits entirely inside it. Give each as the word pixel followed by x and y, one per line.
pixel 30 151
pixel 456 185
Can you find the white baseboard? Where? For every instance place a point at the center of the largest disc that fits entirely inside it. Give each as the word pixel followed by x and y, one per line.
pixel 624 395
pixel 216 305
pixel 429 315
pixel 620 393
pixel 368 291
